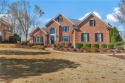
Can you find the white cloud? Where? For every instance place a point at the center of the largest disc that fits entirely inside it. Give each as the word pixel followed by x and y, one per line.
pixel 81 18
pixel 96 13
pixel 110 18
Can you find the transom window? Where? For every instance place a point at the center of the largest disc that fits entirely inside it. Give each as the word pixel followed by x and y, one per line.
pixel 60 19
pixel 52 31
pixel 85 37
pixel 98 37
pixel 92 22
pixel 37 39
pixel 66 38
pixel 65 29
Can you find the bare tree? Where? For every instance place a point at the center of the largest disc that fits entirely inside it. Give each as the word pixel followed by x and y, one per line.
pixel 121 16
pixel 3 6
pixel 21 11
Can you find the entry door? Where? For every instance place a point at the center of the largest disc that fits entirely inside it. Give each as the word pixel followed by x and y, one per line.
pixel 52 39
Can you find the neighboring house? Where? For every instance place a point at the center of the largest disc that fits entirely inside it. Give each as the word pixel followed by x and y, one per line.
pixel 5 30
pixel 89 30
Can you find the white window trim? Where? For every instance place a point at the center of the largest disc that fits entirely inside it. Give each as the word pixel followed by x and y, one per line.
pixel 52 35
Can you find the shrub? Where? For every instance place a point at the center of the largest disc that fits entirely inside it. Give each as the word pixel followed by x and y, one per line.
pixel 62 44
pixel 79 45
pixel 87 45
pixel 95 45
pixel 120 47
pixel 120 43
pixel 36 44
pixel 110 46
pixel 25 43
pixel 69 44
pixel 14 38
pixel 38 47
pixel 104 45
pixel 84 48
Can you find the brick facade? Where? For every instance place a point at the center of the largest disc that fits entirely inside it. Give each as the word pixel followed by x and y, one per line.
pixel 100 27
pixel 76 29
pixel 5 30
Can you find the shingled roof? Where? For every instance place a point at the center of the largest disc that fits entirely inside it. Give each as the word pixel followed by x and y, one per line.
pixel 75 21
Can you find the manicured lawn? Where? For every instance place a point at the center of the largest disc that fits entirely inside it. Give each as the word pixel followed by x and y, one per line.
pixel 19 65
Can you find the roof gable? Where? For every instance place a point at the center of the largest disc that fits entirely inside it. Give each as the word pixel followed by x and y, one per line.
pixel 64 17
pixel 94 16
pixel 39 29
pixel 51 21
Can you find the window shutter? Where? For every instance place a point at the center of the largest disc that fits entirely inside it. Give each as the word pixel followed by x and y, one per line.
pixel 62 38
pixel 81 36
pixel 69 39
pixel 102 37
pixel 62 29
pixel 69 28
pixel 94 23
pixel 40 39
pixel 95 36
pixel 33 39
pixel 88 37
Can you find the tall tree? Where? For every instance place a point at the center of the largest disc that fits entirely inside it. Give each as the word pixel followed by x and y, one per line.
pixel 121 15
pixel 114 35
pixel 3 6
pixel 21 11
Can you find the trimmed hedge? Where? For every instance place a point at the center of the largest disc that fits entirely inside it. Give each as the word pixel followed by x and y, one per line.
pixel 65 44
pixel 110 46
pixel 69 44
pixel 104 46
pixel 87 46
pixel 95 45
pixel 79 45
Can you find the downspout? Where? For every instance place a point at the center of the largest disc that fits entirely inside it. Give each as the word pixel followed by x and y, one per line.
pixel 74 38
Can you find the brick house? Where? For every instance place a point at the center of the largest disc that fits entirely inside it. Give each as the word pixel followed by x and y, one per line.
pixel 90 30
pixel 5 30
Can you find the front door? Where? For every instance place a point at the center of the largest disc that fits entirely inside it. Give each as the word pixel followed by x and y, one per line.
pixel 52 39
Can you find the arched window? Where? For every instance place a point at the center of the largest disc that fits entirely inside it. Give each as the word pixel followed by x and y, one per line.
pixel 52 31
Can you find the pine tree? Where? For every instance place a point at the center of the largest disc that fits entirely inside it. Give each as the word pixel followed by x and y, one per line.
pixel 114 35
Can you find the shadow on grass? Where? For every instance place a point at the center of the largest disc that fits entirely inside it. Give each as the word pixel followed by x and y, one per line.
pixel 118 56
pixel 12 52
pixel 17 68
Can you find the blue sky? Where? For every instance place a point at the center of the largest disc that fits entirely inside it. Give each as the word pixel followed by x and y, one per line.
pixel 78 9
pixel 74 8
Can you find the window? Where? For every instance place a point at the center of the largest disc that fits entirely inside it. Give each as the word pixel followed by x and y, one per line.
pixel 65 29
pixel 66 38
pixel 85 37
pixel 60 19
pixel 52 31
pixel 38 39
pixel 98 37
pixel 92 22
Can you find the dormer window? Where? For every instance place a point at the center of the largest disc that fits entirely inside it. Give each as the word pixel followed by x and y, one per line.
pixel 60 19
pixel 92 22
